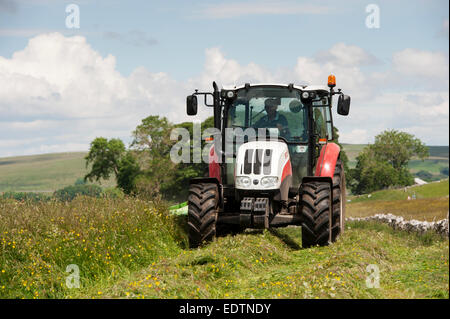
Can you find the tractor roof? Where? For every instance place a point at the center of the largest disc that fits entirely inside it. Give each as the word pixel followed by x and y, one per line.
pixel 323 88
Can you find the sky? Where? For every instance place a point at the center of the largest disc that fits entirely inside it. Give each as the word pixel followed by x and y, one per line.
pixel 61 87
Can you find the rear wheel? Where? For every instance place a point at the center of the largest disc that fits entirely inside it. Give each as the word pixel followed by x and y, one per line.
pixel 203 203
pixel 338 199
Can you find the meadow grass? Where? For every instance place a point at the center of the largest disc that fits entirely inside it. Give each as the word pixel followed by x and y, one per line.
pixel 130 248
pixel 272 264
pixel 105 238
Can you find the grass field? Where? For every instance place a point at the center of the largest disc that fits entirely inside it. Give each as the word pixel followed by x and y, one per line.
pixel 431 203
pixel 131 249
pixel 43 173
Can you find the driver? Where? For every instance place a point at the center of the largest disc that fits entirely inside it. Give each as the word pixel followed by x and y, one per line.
pixel 273 118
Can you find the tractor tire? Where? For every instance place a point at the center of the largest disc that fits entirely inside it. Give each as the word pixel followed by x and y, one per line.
pixel 315 206
pixel 203 204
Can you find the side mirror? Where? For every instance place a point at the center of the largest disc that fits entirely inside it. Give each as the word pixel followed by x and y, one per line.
pixel 343 106
pixel 191 105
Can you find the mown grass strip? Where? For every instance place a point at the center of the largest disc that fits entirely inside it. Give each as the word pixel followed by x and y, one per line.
pixel 272 264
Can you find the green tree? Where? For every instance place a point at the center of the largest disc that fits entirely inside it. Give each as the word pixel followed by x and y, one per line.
pixel 109 157
pixel 70 192
pixel 152 144
pixel 370 174
pixel 397 148
pixel 177 190
pixel 385 163
pixel 128 171
pixel 104 156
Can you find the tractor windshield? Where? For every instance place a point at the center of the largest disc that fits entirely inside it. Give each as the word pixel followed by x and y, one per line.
pixel 272 108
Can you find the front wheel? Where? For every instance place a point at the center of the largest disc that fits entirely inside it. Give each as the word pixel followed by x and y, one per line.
pixel 315 209
pixel 203 203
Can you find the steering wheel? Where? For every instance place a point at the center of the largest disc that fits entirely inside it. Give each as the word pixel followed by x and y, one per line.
pixel 285 132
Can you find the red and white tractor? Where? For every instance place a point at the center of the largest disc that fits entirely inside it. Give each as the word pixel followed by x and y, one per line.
pixel 283 168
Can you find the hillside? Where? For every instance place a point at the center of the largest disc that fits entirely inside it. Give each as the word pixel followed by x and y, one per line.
pixel 431 202
pixel 48 172
pixel 42 173
pixel 437 160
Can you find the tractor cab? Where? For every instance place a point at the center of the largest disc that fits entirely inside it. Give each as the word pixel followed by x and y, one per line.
pixel 274 150
pixel 283 112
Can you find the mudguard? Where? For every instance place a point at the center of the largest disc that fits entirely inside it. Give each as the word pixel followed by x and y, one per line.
pixel 326 163
pixel 214 167
pixel 198 180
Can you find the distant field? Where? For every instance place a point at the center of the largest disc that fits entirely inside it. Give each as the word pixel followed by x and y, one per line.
pixel 438 159
pixel 42 173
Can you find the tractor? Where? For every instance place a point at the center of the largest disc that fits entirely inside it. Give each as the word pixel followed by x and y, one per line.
pixel 272 163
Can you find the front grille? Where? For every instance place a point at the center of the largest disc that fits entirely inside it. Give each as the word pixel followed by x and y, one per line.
pixel 256 161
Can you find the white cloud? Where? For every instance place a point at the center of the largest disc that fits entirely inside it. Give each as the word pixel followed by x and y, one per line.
pixel 356 136
pixel 228 71
pixel 58 93
pixel 346 55
pixel 420 63
pixel 337 61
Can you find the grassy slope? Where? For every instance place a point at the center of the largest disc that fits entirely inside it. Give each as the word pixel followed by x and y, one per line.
pixel 431 202
pixel 42 173
pixel 130 249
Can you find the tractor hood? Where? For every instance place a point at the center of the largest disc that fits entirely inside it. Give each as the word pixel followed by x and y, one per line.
pixel 262 165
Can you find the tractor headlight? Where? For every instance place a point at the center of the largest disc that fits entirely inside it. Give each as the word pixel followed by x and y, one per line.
pixel 269 181
pixel 243 181
pixel 305 95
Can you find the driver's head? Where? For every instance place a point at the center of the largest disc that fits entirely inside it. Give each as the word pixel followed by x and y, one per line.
pixel 271 106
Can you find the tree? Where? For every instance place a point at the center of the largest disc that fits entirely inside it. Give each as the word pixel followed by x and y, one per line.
pixel 104 156
pixel 385 163
pixel 370 174
pixel 397 148
pixel 178 188
pixel 128 171
pixel 152 144
pixel 109 157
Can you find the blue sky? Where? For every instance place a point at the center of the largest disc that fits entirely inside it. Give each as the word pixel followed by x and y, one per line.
pixel 168 47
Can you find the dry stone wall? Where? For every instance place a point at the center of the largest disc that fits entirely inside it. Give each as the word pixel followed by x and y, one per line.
pixel 397 222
